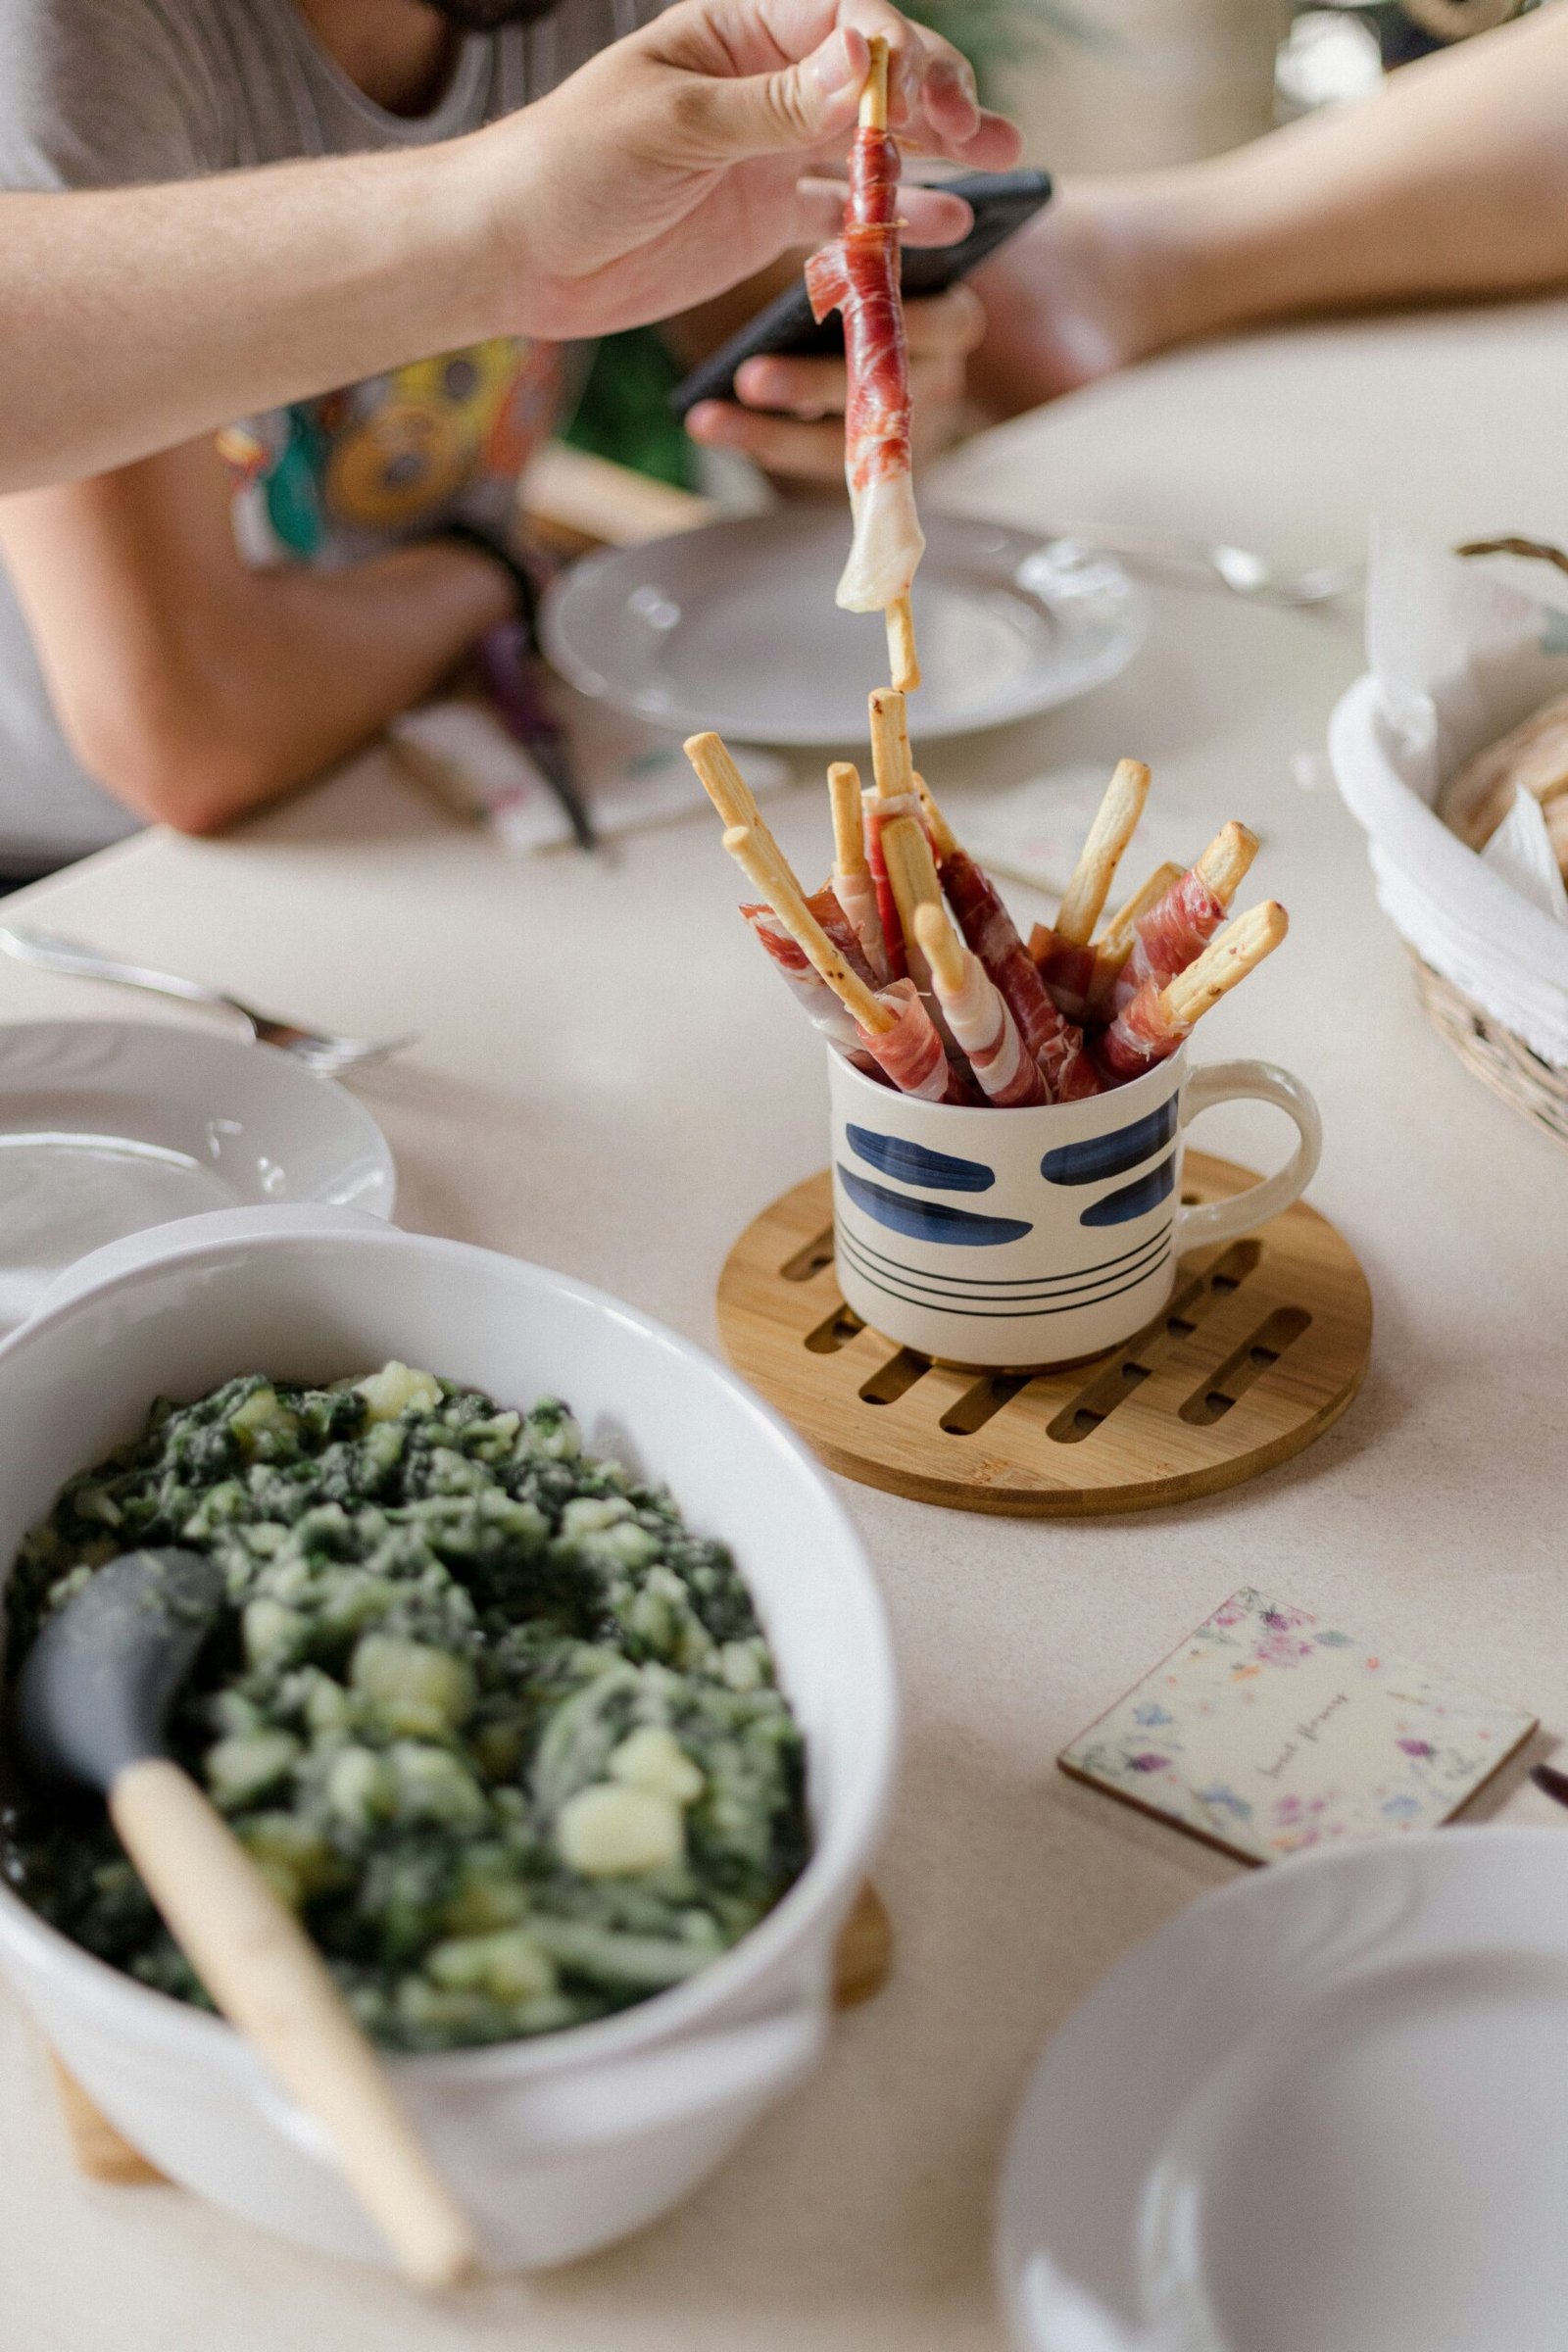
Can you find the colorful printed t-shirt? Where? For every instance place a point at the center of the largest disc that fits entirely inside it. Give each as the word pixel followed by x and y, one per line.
pixel 99 93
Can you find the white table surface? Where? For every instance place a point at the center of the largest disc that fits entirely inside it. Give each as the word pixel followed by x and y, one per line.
pixel 608 1080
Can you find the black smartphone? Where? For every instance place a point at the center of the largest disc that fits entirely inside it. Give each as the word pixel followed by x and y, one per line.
pixel 1001 201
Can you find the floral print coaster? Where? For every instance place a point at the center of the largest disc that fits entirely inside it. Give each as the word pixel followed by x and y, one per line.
pixel 1268 1730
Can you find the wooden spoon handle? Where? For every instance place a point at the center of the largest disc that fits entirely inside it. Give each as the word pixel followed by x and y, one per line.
pixel 268 1980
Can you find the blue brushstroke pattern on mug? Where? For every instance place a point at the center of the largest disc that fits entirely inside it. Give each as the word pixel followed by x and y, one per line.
pixel 1134 1200
pixel 1101 1155
pixel 930 1220
pixel 913 1163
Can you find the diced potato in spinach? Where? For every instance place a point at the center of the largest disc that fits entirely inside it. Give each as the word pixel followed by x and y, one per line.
pixel 485 1712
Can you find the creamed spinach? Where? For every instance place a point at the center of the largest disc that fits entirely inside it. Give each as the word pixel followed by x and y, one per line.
pixel 487 1713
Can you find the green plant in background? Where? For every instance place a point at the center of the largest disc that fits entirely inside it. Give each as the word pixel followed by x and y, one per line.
pixel 623 413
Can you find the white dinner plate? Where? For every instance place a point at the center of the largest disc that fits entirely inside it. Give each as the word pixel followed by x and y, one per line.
pixel 1323 2110
pixel 109 1126
pixel 734 627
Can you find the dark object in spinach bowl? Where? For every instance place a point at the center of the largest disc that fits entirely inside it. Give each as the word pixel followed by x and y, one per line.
pixel 484 1710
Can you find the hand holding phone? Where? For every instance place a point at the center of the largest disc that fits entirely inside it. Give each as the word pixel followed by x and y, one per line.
pixel 1002 203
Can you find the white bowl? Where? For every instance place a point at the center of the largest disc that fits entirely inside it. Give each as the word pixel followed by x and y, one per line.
pixel 564 2143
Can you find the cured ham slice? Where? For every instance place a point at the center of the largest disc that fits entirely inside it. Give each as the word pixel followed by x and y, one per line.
pixel 978 1017
pixel 1052 1041
pixel 810 989
pixel 1180 925
pixel 911 1052
pixel 859 274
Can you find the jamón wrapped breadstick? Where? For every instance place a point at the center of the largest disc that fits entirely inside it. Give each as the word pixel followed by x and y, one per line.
pixel 1187 917
pixel 1067 965
pixel 990 930
pixel 977 1014
pixel 1055 1041
pixel 1156 1020
pixel 853 885
pixel 1116 943
pixel 911 1052
pixel 859 274
pixel 894 1025
pixel 892 797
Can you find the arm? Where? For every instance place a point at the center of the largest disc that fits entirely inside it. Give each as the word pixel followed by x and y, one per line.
pixel 194 688
pixel 1453 182
pixel 665 169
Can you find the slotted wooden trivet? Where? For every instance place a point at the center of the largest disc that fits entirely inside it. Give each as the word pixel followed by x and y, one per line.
pixel 1264 1344
pixel 861 1969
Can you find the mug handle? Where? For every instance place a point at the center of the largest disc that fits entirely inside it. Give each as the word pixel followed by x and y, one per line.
pixel 1215 1221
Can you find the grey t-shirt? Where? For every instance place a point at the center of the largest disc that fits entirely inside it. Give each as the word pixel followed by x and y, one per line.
pixel 103 93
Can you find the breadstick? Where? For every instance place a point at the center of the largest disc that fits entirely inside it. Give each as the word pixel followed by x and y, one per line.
pixel 890 744
pixel 1108 835
pixel 721 779
pixel 874 95
pixel 849 827
pixel 1224 864
pixel 903 662
pixel 764 869
pixel 911 869
pixel 1240 948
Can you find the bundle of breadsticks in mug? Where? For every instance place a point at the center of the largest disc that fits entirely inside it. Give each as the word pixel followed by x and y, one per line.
pixel 907 959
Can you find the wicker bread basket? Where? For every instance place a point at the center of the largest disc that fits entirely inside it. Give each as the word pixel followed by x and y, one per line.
pixel 1498 1058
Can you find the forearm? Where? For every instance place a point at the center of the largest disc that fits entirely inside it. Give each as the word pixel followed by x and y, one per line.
pixel 120 328
pixel 1453 182
pixel 311 667
pixel 194 689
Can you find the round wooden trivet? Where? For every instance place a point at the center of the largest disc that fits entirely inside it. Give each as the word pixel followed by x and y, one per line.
pixel 1262 1344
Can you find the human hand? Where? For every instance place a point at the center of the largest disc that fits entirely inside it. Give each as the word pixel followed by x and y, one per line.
pixel 678 161
pixel 804 435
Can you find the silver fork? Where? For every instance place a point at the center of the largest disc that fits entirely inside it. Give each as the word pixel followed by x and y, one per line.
pixel 316 1048
pixel 1237 568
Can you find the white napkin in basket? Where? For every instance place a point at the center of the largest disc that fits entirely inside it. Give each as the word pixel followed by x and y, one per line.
pixel 1457 658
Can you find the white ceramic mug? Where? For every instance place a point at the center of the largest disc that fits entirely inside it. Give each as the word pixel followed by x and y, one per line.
pixel 1019 1238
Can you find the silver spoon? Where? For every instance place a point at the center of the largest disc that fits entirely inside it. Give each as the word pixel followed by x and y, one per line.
pixel 91 1701
pixel 317 1047
pixel 1237 568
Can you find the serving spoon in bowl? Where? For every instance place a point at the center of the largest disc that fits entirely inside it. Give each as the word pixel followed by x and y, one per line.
pixel 91 1702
